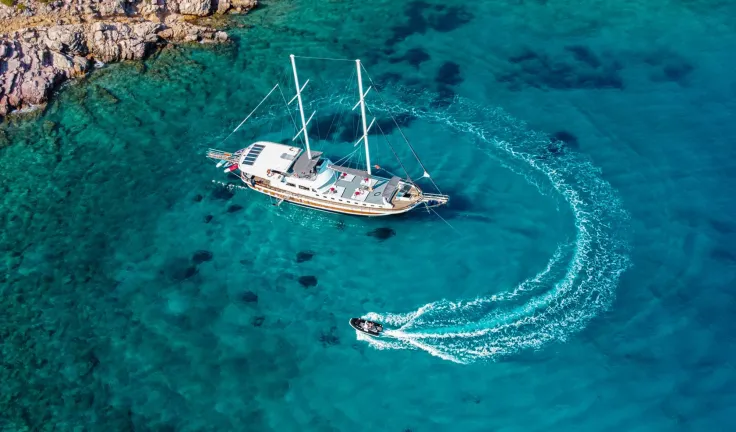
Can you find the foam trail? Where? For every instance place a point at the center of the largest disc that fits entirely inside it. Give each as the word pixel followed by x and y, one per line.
pixel 578 282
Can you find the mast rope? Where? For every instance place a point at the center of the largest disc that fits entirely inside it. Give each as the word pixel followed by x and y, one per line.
pixel 443 219
pixel 394 152
pixel 283 98
pixel 347 157
pixel 340 113
pixel 286 105
pixel 426 173
pixel 251 113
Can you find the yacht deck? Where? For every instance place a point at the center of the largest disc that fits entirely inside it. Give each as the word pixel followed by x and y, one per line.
pixel 348 184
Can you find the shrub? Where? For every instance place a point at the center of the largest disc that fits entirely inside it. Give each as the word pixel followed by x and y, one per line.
pixel 8 3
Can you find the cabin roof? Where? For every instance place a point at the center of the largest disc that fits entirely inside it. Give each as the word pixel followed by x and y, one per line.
pixel 262 156
pixel 348 170
pixel 390 189
pixel 304 166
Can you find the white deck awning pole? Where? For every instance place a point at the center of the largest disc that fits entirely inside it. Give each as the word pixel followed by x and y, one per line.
pixel 301 108
pixel 362 116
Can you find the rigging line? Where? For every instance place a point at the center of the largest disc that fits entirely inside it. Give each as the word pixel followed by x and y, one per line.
pixel 394 152
pixel 324 58
pixel 273 118
pixel 347 157
pixel 399 129
pixel 443 220
pixel 286 104
pixel 342 110
pixel 251 113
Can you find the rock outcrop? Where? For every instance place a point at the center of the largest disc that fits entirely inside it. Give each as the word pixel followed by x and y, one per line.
pixel 45 43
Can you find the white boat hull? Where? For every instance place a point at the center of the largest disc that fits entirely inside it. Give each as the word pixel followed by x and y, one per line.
pixel 329 206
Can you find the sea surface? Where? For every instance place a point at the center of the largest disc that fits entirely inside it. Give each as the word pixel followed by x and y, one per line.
pixel 581 279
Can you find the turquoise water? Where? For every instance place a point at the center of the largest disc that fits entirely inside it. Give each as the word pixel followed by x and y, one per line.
pixel 574 283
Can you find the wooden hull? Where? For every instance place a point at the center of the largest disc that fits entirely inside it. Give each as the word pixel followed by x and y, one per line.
pixel 329 206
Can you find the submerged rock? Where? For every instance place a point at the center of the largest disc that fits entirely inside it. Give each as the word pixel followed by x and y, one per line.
pixel 329 338
pixel 182 274
pixel 201 256
pixel 382 234
pixel 308 281
pixel 304 256
pixel 249 297
pixel 222 193
pixel 208 218
pixel 198 198
pixel 258 321
pixel 234 208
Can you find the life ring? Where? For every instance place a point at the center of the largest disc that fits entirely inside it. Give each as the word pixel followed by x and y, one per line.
pixel 377 194
pixel 269 173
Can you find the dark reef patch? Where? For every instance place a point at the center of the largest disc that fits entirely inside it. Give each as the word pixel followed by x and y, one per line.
pixel 403 120
pixel 577 67
pixel 104 94
pixel 444 97
pixel 304 256
pixel 474 399
pixel 584 54
pixel 415 23
pixel 422 16
pixel 351 129
pixel 222 193
pixel 183 273
pixel 208 218
pixel 449 18
pixel 567 138
pixel 387 126
pixel 414 56
pixel 329 338
pixel 249 297
pixel 669 67
pixel 448 74
pixel 382 234
pixel 308 281
pixel 198 198
pixel 323 127
pixel 677 72
pixel 234 208
pixel 388 78
pixel 460 203
pixel 258 321
pixel 201 256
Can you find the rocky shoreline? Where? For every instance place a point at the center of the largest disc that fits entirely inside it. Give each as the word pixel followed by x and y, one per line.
pixel 46 42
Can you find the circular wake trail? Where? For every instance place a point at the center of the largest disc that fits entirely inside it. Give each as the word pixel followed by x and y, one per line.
pixel 577 284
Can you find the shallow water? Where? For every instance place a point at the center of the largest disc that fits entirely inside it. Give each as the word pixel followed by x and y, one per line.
pixel 576 285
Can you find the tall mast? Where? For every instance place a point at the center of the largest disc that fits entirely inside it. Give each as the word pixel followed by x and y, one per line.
pixel 362 116
pixel 301 108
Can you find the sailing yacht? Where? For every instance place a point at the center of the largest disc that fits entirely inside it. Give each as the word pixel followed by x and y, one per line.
pixel 307 178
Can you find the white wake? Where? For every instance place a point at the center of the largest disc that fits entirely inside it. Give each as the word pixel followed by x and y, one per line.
pixel 579 281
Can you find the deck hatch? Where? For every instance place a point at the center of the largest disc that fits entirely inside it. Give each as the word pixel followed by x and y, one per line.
pixel 252 155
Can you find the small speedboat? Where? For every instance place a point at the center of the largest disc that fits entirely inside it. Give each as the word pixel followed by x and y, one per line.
pixel 368 327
